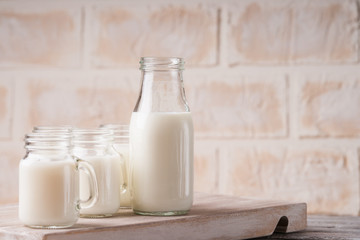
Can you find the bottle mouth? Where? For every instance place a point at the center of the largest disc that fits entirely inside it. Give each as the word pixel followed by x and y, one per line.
pixel 161 63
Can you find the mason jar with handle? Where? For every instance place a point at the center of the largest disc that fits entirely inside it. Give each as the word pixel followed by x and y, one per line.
pixel 49 182
pixel 95 146
pixel 161 141
pixel 121 146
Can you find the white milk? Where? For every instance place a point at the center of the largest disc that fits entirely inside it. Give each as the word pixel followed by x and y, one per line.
pixel 123 151
pixel 108 179
pixel 48 192
pixel 161 158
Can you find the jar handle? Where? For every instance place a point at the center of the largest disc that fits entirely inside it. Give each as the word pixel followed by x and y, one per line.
pixel 94 190
pixel 124 186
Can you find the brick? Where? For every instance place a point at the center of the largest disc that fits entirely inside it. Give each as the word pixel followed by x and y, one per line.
pixel 329 106
pixel 123 34
pixel 205 167
pixel 81 102
pixel 327 179
pixel 260 32
pixel 31 36
pixel 6 96
pixel 10 156
pixel 290 31
pixel 325 32
pixel 238 106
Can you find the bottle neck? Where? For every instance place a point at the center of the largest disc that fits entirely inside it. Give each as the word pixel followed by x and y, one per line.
pixel 162 87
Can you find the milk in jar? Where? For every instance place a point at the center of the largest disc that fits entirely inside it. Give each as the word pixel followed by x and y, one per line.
pixel 48 192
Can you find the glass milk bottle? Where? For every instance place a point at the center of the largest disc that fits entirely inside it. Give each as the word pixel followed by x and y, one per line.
pixel 121 146
pixel 161 141
pixel 95 147
pixel 49 182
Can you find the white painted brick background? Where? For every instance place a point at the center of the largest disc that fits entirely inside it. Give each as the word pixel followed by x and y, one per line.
pixel 274 86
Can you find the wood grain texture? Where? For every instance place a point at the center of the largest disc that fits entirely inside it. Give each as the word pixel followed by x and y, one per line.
pixel 212 217
pixel 325 228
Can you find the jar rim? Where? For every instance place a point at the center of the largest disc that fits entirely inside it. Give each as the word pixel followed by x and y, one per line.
pixel 53 128
pixel 99 136
pixel 43 141
pixel 47 137
pixel 161 63
pixel 114 126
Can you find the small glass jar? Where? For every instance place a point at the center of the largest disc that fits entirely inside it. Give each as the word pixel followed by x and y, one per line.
pixel 121 146
pixel 49 183
pixel 95 147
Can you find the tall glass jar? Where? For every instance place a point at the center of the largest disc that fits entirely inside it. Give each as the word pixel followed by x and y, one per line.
pixel 121 146
pixel 95 147
pixel 161 141
pixel 49 182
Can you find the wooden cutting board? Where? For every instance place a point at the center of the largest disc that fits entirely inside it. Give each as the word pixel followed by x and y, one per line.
pixel 212 217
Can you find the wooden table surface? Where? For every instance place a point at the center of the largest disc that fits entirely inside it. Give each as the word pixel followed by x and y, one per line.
pixel 211 217
pixel 325 227
pixel 318 227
